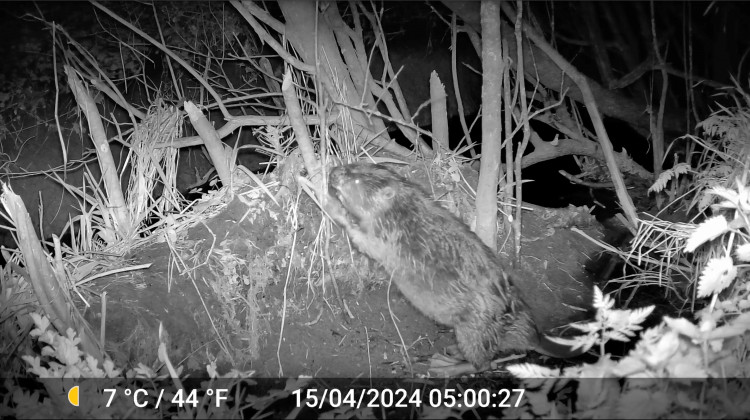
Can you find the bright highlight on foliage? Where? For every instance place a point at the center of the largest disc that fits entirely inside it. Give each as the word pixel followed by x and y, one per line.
pixel 708 230
pixel 717 275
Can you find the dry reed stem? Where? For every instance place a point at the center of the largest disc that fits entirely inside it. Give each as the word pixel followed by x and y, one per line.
pixel 48 285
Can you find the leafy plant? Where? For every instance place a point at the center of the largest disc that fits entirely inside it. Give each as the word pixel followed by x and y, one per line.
pixel 61 364
pixel 610 324
pixel 693 360
pixel 63 358
pixel 676 369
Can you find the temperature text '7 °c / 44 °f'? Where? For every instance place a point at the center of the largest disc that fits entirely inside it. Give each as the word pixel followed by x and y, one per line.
pixel 142 398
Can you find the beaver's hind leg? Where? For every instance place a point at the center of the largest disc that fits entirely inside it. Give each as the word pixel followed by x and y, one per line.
pixel 468 356
pixel 481 334
pixel 472 341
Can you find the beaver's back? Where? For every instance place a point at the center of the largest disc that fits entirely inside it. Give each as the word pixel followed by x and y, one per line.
pixel 436 261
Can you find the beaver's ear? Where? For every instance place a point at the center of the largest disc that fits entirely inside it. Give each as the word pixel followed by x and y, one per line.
pixel 388 192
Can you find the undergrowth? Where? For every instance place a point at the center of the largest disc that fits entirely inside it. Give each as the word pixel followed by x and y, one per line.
pixel 682 367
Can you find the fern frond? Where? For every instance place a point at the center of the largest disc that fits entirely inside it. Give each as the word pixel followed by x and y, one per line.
pixel 674 172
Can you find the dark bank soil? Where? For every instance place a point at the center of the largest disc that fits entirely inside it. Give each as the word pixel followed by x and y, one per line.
pixel 224 291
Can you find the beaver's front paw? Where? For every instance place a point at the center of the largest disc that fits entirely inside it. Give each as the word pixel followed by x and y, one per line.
pixel 335 210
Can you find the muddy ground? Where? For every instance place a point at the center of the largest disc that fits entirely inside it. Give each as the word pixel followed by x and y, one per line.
pixel 224 291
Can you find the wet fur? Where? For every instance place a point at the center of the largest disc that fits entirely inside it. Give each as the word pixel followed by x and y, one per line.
pixel 434 259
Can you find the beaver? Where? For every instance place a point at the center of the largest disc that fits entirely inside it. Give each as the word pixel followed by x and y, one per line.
pixel 436 261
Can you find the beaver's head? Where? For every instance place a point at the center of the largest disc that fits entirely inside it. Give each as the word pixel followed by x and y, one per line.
pixel 364 190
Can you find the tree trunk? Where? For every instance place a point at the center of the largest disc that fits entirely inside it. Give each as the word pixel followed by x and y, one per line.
pixel 492 135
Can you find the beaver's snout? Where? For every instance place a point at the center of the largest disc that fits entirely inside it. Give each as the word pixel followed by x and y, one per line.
pixel 333 191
